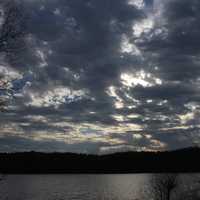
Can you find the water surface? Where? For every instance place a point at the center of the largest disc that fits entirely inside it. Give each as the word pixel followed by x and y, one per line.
pixel 86 187
pixel 72 187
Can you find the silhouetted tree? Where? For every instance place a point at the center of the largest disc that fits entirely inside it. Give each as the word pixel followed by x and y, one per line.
pixel 12 31
pixel 12 24
pixel 2 98
pixel 162 185
pixel 5 94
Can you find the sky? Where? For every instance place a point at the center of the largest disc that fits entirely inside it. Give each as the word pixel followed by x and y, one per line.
pixel 100 76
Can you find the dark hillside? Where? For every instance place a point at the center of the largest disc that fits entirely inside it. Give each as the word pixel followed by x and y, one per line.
pixel 185 160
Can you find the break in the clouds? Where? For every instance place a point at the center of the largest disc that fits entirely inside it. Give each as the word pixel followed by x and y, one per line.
pixel 99 76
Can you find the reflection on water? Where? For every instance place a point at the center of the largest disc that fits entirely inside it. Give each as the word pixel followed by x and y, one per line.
pixel 67 187
pixel 73 187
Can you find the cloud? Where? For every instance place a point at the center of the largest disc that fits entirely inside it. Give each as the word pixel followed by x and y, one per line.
pixel 104 76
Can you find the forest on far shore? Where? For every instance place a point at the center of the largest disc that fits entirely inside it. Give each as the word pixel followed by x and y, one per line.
pixel 184 160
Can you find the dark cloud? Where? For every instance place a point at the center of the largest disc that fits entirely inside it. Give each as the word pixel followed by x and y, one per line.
pixel 97 75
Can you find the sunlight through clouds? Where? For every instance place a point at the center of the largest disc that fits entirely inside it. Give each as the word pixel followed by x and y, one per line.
pixel 56 97
pixel 42 57
pixel 118 101
pixel 8 73
pixel 130 48
pixel 138 3
pixel 139 78
pixel 103 75
pixel 144 26
pixel 186 117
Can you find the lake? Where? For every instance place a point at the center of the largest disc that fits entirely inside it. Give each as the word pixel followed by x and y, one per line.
pixel 73 187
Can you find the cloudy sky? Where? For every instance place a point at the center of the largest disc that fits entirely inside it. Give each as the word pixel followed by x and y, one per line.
pixel 99 76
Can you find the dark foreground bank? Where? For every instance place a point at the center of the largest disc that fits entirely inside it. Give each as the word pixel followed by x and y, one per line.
pixel 185 160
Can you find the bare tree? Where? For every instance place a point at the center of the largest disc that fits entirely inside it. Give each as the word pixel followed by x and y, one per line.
pixel 2 102
pixel 5 93
pixel 12 32
pixel 12 24
pixel 162 185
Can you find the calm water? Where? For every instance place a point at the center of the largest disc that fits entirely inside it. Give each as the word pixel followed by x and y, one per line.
pixel 80 187
pixel 72 187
